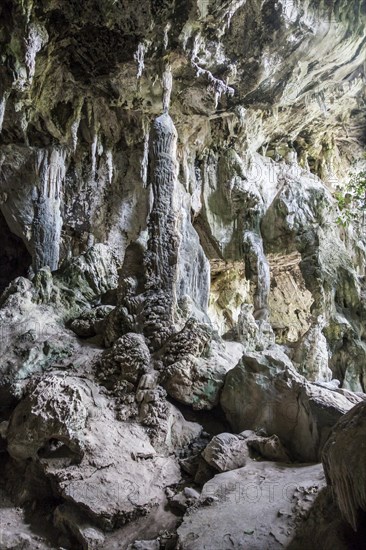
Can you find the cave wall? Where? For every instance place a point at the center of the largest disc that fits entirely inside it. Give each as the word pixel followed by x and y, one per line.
pixel 170 247
pixel 258 102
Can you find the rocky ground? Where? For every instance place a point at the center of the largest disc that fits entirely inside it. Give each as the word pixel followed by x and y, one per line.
pixel 201 443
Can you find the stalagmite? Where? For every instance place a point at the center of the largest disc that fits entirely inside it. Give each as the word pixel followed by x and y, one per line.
pixel 161 262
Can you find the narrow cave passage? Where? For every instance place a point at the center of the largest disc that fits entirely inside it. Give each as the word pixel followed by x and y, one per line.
pixel 14 257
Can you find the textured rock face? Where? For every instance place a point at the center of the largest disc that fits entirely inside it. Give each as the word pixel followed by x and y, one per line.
pixel 87 155
pixel 226 452
pixel 170 239
pixel 300 413
pixel 195 366
pixel 270 448
pixel 111 474
pixel 289 299
pixel 344 464
pixel 46 409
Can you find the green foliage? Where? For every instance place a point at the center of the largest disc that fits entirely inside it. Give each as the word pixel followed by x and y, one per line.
pixel 352 202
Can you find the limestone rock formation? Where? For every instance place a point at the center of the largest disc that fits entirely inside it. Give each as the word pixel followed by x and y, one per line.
pixel 91 321
pixel 111 474
pixel 311 354
pixel 269 448
pixel 196 376
pixel 301 414
pixel 343 458
pixel 174 270
pixel 226 452
pixel 33 338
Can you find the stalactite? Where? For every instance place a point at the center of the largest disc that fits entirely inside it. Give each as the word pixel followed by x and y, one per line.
pixel 47 223
pixel 94 152
pixel 3 101
pixel 140 58
pixel 167 88
pixel 109 161
pixel 145 157
pixel 37 38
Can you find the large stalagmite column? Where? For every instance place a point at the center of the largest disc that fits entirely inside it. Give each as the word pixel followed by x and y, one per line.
pixel 176 275
pixel 162 256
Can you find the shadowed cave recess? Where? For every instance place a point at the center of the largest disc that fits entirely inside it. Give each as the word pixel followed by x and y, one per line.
pixel 15 258
pixel 183 351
